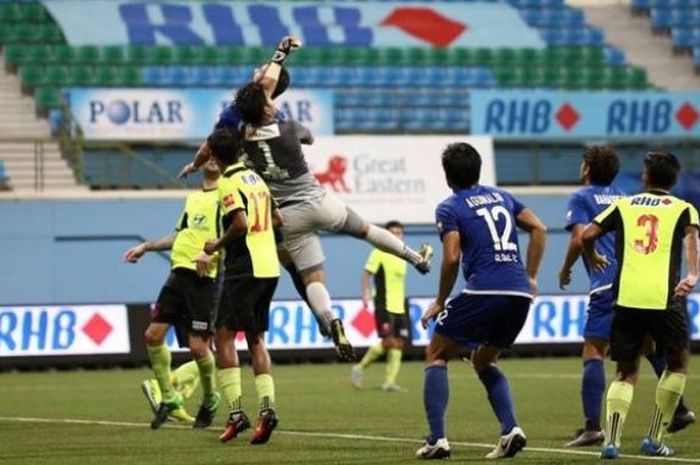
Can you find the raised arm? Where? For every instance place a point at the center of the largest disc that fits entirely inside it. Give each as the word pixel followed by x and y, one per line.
pixel 529 222
pixel 134 254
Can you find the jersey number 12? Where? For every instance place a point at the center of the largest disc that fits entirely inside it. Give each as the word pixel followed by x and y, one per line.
pixel 501 243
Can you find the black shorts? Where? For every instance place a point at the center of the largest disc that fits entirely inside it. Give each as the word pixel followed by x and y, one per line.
pixel 668 329
pixel 245 304
pixel 187 302
pixel 391 324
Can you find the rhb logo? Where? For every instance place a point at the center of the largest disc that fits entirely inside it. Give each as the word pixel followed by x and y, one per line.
pixel 334 175
pixel 121 112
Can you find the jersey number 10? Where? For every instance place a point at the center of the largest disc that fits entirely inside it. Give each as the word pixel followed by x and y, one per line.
pixel 501 243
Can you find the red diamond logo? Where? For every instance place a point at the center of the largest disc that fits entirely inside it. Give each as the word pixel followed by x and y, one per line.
pixel 687 116
pixel 425 24
pixel 567 116
pixel 666 201
pixel 364 322
pixel 97 329
pixel 240 336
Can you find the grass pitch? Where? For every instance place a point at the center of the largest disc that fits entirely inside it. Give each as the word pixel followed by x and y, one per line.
pixel 101 417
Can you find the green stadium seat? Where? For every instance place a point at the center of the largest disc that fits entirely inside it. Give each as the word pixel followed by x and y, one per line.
pixel 461 56
pixel 552 75
pixel 391 56
pixel 593 78
pixel 189 55
pixel 142 55
pixel 232 55
pixel 10 13
pixel 17 54
pixel 34 12
pixel 256 55
pixel 506 76
pixel 553 56
pixel 352 56
pixel 32 76
pixel 164 55
pixel 62 54
pixel 530 76
pixel 504 57
pixel 637 78
pixel 112 55
pixel 49 33
pixel 526 57
pixel 371 56
pixel 129 76
pixel 82 76
pixel 48 97
pixel 417 56
pixel 57 75
pixel 86 55
pixel 211 55
pixel 106 76
pixel 328 56
pixel 572 79
pixel 594 56
pixel 439 57
pixel 484 57
pixel 28 33
pixel 615 78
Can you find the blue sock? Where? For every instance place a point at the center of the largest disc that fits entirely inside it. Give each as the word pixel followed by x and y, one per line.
pixel 498 391
pixel 592 390
pixel 436 391
pixel 658 363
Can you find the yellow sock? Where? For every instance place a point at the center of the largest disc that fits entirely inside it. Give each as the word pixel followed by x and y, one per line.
pixel 618 402
pixel 207 372
pixel 265 386
pixel 668 392
pixel 160 362
pixel 230 386
pixel 393 365
pixel 372 354
pixel 186 378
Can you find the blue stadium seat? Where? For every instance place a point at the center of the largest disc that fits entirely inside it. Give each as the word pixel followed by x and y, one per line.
pixel 682 38
pixel 641 4
pixel 696 57
pixel 614 56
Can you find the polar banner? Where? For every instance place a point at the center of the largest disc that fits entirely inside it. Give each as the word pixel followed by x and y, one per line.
pixel 318 24
pixel 561 319
pixel 533 115
pixel 391 176
pixel 180 114
pixel 64 330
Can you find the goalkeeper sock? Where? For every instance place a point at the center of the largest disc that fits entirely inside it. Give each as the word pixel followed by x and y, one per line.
pixel 206 374
pixel 372 354
pixel 668 393
pixel 230 385
pixel 387 242
pixel 160 362
pixel 265 386
pixel 618 402
pixel 185 378
pixel 393 365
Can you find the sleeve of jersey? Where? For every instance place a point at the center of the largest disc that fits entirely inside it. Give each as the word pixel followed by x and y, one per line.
pixel 228 119
pixel 576 213
pixel 182 221
pixel 518 206
pixel 693 219
pixel 230 198
pixel 445 219
pixel 607 218
pixel 373 262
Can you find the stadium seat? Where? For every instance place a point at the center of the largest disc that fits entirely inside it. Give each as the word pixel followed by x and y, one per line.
pixel 47 97
pixel 112 55
pixel 82 76
pixel 86 55
pixel 32 76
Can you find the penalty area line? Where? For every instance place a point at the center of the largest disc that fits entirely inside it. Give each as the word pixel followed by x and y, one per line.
pixel 353 437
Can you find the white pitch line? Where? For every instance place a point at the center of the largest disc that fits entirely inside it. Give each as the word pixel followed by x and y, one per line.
pixel 363 437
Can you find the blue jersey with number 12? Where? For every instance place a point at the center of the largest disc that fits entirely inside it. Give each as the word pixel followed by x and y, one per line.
pixel 485 219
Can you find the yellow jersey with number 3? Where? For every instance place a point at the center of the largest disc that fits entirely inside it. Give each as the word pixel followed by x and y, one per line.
pixel 255 252
pixel 649 231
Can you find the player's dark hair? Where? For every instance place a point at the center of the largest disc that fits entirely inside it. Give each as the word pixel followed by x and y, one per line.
pixel 282 83
pixel 662 169
pixel 393 224
pixel 250 101
pixel 603 164
pixel 225 146
pixel 462 165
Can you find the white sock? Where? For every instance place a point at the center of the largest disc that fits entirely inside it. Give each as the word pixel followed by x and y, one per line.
pixel 384 240
pixel 320 303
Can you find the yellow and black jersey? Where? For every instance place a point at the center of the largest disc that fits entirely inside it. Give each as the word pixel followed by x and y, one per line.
pixel 389 281
pixel 254 253
pixel 198 223
pixel 649 231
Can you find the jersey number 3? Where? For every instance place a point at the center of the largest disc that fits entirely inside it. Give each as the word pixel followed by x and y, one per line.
pixel 501 243
pixel 651 241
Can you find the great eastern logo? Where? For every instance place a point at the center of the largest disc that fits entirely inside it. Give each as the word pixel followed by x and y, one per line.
pixel 334 176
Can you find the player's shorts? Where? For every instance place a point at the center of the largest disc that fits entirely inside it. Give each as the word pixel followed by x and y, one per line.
pixel 188 302
pixel 474 320
pixel 599 315
pixel 630 326
pixel 391 324
pixel 303 220
pixel 245 304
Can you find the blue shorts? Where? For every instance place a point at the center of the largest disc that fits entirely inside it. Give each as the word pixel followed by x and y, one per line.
pixel 599 315
pixel 475 320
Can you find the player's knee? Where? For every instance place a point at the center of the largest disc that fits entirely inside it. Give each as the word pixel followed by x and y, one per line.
pixel 199 346
pixel 677 362
pixel 153 337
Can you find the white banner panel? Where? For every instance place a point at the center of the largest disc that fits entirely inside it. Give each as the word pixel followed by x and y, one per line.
pixel 387 177
pixel 64 330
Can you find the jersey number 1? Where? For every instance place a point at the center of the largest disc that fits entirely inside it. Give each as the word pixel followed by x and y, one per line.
pixel 502 243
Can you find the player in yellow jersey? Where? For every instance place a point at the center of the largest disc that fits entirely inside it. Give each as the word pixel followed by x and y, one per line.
pixel 389 272
pixel 188 302
pixel 652 229
pixel 251 272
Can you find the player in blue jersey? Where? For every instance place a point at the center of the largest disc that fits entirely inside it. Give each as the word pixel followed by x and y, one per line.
pixel 598 170
pixel 478 223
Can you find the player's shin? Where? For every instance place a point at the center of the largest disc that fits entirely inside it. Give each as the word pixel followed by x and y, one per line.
pixel 320 303
pixel 668 392
pixel 499 396
pixel 372 354
pixel 435 396
pixel 592 390
pixel 160 359
pixel 207 371
pixel 393 366
pixel 618 402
